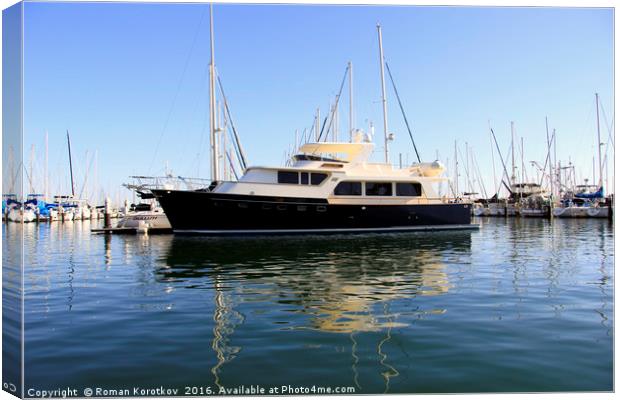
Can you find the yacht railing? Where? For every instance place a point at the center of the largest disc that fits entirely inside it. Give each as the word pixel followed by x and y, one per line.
pixel 167 182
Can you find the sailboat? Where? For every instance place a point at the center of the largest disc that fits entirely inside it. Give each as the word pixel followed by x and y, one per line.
pixel 585 202
pixel 329 187
pixel 20 212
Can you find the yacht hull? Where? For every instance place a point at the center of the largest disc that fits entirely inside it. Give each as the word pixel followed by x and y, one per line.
pixel 581 212
pixel 211 213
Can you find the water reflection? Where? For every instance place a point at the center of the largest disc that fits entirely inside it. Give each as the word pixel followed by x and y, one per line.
pixel 336 281
pixel 341 285
pixel 478 311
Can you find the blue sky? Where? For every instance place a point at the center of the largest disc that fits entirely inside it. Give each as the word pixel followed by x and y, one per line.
pixel 124 77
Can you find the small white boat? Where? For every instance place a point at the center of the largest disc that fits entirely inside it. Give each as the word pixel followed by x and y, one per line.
pixel 20 213
pixel 67 214
pixel 145 217
pixel 54 216
pixel 581 211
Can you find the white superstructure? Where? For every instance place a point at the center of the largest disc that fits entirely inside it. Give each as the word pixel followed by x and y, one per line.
pixel 320 168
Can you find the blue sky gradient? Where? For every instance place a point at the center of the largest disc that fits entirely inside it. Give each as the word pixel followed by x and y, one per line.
pixel 131 81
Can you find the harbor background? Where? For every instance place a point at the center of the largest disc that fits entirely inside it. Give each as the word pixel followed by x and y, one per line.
pixel 135 98
pixel 522 305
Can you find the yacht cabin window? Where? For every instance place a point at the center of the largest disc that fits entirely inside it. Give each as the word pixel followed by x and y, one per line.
pixel 295 177
pixel 317 178
pixel 378 188
pixel 288 177
pixel 411 189
pixel 348 189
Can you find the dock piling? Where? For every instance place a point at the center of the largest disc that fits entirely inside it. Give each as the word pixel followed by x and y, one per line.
pixel 107 216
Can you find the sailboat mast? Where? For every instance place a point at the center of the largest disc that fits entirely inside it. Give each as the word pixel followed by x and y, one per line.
pixel 383 99
pixel 350 101
pixel 456 171
pixel 212 111
pixel 548 150
pixel 493 159
pixel 46 177
pixel 512 141
pixel 551 180
pixel 96 180
pixel 522 163
pixel 598 129
pixel 31 168
pixel 70 164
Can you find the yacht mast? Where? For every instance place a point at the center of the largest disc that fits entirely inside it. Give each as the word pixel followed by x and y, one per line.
pixel 212 112
pixel 383 100
pixel 598 129
pixel 350 101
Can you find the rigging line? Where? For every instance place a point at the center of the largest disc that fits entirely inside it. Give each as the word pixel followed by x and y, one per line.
pixel 611 136
pixel 232 166
pixel 27 175
pixel 480 180
pixel 466 170
pixel 493 163
pixel 301 139
pixel 201 145
pixel 232 124
pixel 402 110
pixel 547 159
pixel 201 126
pixel 501 159
pixel 346 71
pixel 322 127
pixel 178 90
pixel 87 172
pixel 609 128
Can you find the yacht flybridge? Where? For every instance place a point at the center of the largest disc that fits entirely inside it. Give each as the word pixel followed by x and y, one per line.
pixel 320 193
pixel 327 187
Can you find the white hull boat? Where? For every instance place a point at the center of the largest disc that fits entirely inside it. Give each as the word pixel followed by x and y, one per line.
pixel 581 212
pixel 19 215
pixel 145 220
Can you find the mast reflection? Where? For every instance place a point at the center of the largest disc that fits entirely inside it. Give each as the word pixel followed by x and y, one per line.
pixel 342 285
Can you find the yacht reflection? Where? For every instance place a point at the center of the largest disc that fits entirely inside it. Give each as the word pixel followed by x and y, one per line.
pixel 339 283
pixel 343 285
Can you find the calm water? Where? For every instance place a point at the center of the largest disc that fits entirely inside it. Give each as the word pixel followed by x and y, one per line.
pixel 521 305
